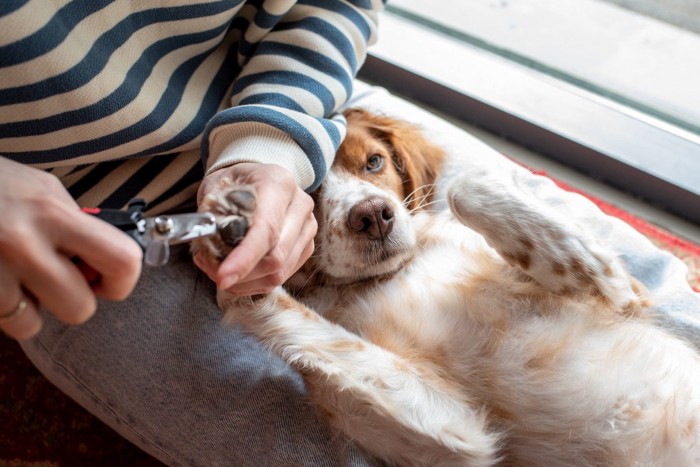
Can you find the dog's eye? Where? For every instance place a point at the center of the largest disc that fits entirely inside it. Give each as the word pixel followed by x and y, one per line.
pixel 374 162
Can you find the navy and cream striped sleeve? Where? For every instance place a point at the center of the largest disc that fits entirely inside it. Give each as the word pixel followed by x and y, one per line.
pixel 292 81
pixel 124 99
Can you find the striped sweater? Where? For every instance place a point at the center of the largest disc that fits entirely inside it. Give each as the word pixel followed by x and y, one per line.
pixel 123 99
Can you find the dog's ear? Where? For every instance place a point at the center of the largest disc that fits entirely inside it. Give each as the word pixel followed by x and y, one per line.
pixel 416 159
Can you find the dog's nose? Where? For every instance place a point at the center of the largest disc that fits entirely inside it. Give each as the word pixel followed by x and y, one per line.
pixel 374 217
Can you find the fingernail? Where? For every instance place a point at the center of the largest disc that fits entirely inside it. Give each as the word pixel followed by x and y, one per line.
pixel 228 282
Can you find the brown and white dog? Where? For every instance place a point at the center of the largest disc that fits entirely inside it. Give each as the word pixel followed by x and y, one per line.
pixel 496 332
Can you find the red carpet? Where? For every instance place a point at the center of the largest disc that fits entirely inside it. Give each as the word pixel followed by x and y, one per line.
pixel 39 426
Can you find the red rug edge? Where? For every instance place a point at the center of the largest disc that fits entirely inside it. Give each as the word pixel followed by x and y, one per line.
pixel 644 227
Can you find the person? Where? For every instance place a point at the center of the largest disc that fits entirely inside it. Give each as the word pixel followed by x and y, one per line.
pixel 101 102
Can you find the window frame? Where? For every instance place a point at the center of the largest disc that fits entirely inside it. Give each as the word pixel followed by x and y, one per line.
pixel 606 140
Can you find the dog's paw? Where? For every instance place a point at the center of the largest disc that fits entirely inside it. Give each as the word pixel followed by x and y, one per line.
pixel 233 205
pixel 543 242
pixel 234 306
pixel 566 261
pixel 253 310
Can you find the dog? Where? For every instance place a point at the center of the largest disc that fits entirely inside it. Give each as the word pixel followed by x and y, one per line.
pixel 495 332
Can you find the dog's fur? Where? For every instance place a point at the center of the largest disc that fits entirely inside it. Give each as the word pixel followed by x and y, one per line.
pixel 495 333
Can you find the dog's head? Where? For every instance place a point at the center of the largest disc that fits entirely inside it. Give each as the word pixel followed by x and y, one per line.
pixel 384 170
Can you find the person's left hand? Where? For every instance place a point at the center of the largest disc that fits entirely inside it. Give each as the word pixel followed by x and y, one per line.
pixel 280 238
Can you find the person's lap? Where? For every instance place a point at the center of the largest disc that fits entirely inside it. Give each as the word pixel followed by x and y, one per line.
pixel 163 372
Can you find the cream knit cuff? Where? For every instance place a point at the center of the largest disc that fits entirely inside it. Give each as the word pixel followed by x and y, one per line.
pixel 258 142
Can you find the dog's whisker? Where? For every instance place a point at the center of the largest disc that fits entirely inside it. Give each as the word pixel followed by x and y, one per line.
pixel 419 200
pixel 420 187
pixel 423 207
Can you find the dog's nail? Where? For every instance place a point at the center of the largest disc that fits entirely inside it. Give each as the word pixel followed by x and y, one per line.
pixel 232 231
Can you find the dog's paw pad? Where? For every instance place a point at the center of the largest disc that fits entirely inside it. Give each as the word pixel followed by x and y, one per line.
pixel 231 198
pixel 243 198
pixel 233 205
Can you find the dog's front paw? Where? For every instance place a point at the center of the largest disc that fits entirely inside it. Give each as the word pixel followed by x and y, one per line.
pixel 233 205
pixel 253 310
pixel 236 307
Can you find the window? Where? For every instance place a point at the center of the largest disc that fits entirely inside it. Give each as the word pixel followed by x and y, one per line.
pixel 595 86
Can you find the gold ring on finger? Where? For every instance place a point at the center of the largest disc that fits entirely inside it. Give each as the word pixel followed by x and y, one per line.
pixel 15 313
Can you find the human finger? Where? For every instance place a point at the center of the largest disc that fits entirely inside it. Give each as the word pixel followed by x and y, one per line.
pixel 19 317
pixel 207 267
pixel 112 254
pixel 22 321
pixel 57 283
pixel 299 228
pixel 262 236
pixel 299 253
pixel 266 284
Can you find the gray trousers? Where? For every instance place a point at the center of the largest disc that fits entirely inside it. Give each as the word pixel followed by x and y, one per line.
pixel 162 371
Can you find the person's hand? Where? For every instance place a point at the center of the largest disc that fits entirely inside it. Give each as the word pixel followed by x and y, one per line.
pixel 280 238
pixel 41 230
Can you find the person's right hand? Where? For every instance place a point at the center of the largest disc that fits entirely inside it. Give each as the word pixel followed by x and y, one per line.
pixel 41 229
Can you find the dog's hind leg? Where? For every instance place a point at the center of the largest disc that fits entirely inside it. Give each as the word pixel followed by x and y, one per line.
pixel 543 242
pixel 397 412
